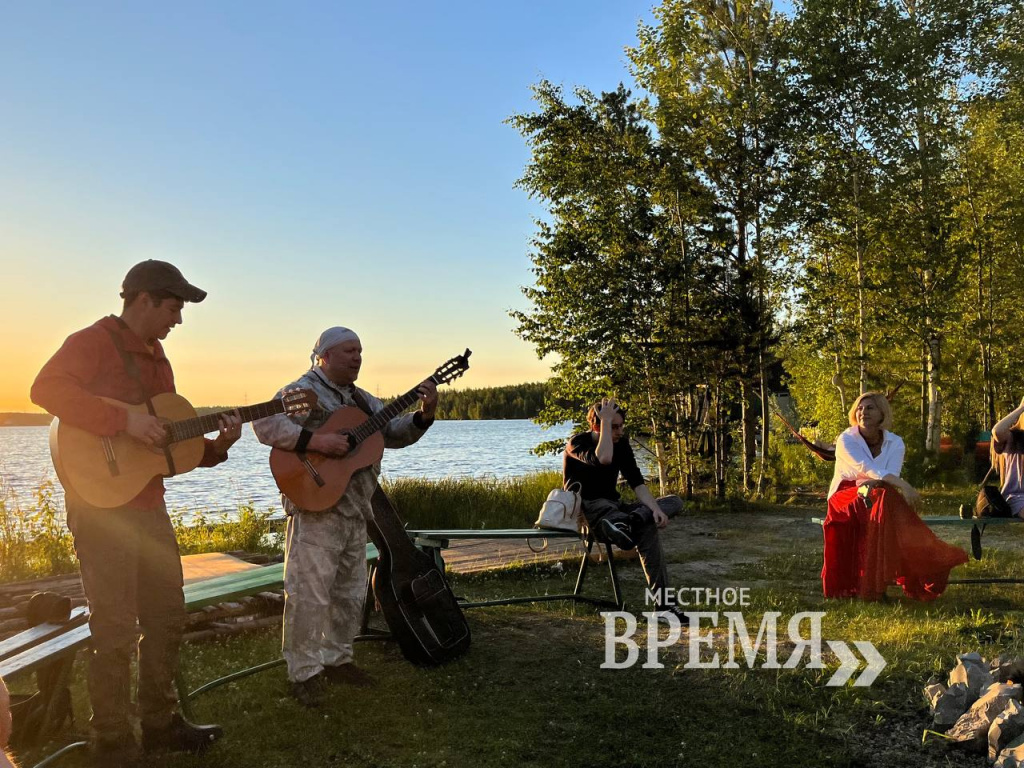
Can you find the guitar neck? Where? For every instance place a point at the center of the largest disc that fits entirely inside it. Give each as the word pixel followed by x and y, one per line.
pixel 377 421
pixel 201 425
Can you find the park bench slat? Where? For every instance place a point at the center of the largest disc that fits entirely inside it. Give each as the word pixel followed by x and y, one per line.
pixel 203 593
pixel 953 520
pixel 434 540
pixel 52 641
pixel 41 633
pixel 492 533
pixel 58 646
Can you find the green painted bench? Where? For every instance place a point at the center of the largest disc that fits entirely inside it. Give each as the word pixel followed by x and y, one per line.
pixel 50 644
pixel 435 541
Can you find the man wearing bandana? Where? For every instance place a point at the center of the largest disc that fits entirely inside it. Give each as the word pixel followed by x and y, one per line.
pixel 325 552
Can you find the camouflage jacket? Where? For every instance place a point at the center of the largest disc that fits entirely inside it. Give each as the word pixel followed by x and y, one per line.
pixel 282 431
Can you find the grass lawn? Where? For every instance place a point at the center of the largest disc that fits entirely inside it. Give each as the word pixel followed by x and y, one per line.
pixel 531 691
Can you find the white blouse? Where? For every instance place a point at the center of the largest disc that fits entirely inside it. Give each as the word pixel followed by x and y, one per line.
pixel 855 462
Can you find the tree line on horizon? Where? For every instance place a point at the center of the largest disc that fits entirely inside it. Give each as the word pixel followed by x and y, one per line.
pixel 827 201
pixel 514 401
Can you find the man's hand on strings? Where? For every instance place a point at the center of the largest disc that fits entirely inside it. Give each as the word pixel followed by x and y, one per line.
pixel 230 431
pixel 147 429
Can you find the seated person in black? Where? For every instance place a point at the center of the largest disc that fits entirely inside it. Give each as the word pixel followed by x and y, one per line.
pixel 594 460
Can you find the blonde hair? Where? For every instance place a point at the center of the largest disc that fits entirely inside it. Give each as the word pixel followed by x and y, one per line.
pixel 880 402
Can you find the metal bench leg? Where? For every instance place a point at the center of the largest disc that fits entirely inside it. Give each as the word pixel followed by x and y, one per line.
pixel 583 567
pixel 616 592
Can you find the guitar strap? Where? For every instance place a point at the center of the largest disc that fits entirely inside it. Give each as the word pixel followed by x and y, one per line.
pixel 361 401
pixel 132 369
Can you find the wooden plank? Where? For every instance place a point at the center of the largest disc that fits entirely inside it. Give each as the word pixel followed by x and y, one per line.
pixel 953 520
pixel 28 660
pixel 197 595
pixel 969 522
pixel 493 533
pixel 41 633
pixel 213 591
pixel 211 565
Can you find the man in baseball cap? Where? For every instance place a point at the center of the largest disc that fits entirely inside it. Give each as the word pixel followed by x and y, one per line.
pixel 131 567
pixel 152 275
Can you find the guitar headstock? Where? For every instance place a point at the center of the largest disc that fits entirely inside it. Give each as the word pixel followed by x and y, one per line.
pixel 453 368
pixel 298 400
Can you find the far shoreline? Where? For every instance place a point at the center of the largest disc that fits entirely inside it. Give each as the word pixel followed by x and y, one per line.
pixel 25 419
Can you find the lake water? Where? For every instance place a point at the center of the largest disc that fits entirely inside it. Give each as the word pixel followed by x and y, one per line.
pixel 449 449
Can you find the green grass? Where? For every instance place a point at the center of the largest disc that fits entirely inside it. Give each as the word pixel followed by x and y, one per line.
pixel 472 503
pixel 531 691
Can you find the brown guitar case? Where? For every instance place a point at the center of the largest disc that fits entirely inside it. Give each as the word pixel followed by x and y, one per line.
pixel 417 603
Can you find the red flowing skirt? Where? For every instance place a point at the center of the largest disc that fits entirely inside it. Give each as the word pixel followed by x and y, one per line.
pixel 867 550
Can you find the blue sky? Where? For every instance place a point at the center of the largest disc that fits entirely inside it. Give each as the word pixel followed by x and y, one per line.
pixel 308 164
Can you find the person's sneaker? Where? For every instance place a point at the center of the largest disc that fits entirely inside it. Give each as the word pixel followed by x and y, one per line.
pixel 348 674
pixel 309 693
pixel 119 750
pixel 617 533
pixel 180 736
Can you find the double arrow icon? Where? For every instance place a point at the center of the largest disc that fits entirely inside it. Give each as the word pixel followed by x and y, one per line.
pixel 850 663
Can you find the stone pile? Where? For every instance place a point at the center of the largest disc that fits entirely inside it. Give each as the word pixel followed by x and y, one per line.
pixel 980 708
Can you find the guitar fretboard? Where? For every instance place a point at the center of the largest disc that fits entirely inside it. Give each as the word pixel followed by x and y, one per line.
pixel 201 425
pixel 377 421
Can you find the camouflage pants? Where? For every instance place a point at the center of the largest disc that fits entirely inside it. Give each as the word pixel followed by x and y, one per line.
pixel 324 584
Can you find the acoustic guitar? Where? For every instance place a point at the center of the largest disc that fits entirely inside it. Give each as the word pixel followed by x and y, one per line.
pixel 316 482
pixel 422 613
pixel 108 472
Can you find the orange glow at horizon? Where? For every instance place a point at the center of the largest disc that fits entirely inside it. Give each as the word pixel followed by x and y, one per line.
pixel 206 377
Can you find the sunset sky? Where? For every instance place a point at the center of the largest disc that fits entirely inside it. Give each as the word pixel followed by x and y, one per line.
pixel 307 163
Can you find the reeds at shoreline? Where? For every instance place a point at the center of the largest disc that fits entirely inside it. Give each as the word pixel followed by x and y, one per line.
pixel 35 542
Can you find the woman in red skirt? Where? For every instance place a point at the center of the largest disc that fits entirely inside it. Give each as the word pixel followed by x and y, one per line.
pixel 866 549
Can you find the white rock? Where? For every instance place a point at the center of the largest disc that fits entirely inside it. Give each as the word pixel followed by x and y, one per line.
pixel 971 730
pixel 972 672
pixel 1013 755
pixel 1007 726
pixel 932 693
pixel 950 706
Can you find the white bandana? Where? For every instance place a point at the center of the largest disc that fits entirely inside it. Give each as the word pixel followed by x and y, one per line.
pixel 332 337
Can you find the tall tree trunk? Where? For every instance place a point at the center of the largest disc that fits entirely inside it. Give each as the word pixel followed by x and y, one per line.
pixel 985 346
pixel 762 477
pixel 862 355
pixel 749 424
pixel 934 433
pixel 720 447
pixel 924 396
pixel 989 338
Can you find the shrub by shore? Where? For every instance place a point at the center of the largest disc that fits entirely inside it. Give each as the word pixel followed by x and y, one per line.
pixel 35 542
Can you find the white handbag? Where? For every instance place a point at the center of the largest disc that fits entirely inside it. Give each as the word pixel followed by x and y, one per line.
pixel 562 511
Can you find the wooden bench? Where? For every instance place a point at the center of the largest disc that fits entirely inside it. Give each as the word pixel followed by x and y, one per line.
pixel 49 644
pixel 977 526
pixel 435 541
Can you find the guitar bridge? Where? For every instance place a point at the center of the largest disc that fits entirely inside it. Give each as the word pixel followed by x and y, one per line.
pixel 317 478
pixel 108 453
